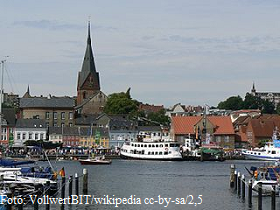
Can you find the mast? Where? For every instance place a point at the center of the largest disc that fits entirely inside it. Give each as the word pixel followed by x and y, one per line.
pixel 1 97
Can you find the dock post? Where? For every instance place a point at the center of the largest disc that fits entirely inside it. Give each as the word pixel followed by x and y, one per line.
pixel 259 196
pixel 250 193
pixel 273 198
pixel 235 180
pixel 201 156
pixel 238 184
pixel 9 195
pixel 232 169
pixel 70 187
pixel 77 184
pixel 63 187
pixel 48 194
pixel 37 187
pixel 243 186
pixel 85 181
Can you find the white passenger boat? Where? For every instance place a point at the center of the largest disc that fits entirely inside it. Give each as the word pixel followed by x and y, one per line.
pixel 148 150
pixel 270 152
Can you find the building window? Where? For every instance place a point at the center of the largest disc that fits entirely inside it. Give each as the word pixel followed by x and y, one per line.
pixel 55 124
pixel 63 115
pixel 30 136
pixel 84 95
pixel 41 136
pixel 23 136
pixel 70 115
pixel 47 124
pixel 226 138
pixel 36 136
pixel 55 115
pixel 70 124
pixel 47 115
pixel 18 135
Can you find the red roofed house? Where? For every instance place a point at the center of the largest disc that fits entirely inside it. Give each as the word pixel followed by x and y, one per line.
pixel 219 127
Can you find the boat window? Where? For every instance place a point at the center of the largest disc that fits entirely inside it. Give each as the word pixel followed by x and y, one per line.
pixel 149 145
pixel 149 153
pixel 156 153
pixel 161 145
pixel 132 145
pixel 259 153
pixel 145 145
pixel 160 153
pixel 141 145
pixel 166 145
pixel 143 152
pixel 153 145
pixel 273 152
pixel 169 152
pixel 165 153
pixel 153 153
pixel 255 153
pixel 156 145
pixel 269 151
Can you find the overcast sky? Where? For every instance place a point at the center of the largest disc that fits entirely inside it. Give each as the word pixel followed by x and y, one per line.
pixel 193 52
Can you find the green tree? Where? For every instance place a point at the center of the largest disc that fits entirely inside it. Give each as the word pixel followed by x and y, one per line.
pixel 159 117
pixel 278 109
pixel 268 107
pixel 252 102
pixel 232 103
pixel 121 103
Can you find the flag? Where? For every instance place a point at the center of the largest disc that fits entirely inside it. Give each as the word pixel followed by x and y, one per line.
pixel 62 172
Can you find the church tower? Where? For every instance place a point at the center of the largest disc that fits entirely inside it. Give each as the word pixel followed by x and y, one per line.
pixel 88 78
pixel 253 91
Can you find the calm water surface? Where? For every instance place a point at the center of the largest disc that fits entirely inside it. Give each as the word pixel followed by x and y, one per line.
pixel 150 179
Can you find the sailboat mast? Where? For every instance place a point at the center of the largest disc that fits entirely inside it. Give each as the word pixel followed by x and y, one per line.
pixel 1 97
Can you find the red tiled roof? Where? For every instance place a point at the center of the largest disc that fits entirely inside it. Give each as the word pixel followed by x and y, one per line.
pixel 264 127
pixel 223 123
pixel 150 108
pixel 185 124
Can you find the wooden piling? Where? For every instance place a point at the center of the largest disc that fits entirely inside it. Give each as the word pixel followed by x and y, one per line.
pixel 20 206
pixel 63 187
pixel 259 196
pixel 201 156
pixel 243 186
pixel 70 186
pixel 235 180
pixel 48 194
pixel 77 184
pixel 85 181
pixel 238 184
pixel 273 198
pixel 250 193
pixel 232 169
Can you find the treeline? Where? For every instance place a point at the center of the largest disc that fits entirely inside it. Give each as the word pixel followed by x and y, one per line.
pixel 249 102
pixel 122 103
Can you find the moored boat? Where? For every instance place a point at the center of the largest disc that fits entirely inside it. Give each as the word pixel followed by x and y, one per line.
pixel 151 150
pixel 95 161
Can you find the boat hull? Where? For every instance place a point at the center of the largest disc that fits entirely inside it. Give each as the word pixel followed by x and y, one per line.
pixel 95 162
pixel 155 159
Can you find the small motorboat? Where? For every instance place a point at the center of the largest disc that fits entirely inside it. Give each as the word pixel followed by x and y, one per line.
pixel 96 161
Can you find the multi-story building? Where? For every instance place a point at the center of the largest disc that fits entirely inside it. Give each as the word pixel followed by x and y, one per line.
pixel 29 129
pixel 273 97
pixel 216 129
pixel 8 126
pixel 56 111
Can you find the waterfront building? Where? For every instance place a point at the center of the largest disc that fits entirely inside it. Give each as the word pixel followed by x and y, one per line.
pixel 253 131
pixel 29 129
pixel 182 110
pixel 8 125
pixel 219 129
pixel 56 111
pixel 154 133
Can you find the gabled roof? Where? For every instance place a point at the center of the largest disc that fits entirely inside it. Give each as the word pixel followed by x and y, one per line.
pixel 223 124
pixel 264 127
pixel 149 128
pixel 31 123
pixel 44 102
pixel 76 131
pixel 186 124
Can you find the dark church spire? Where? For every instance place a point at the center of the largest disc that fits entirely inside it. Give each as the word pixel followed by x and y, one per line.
pixel 89 39
pixel 27 94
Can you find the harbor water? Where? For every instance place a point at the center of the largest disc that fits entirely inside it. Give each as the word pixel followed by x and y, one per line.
pixel 202 185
